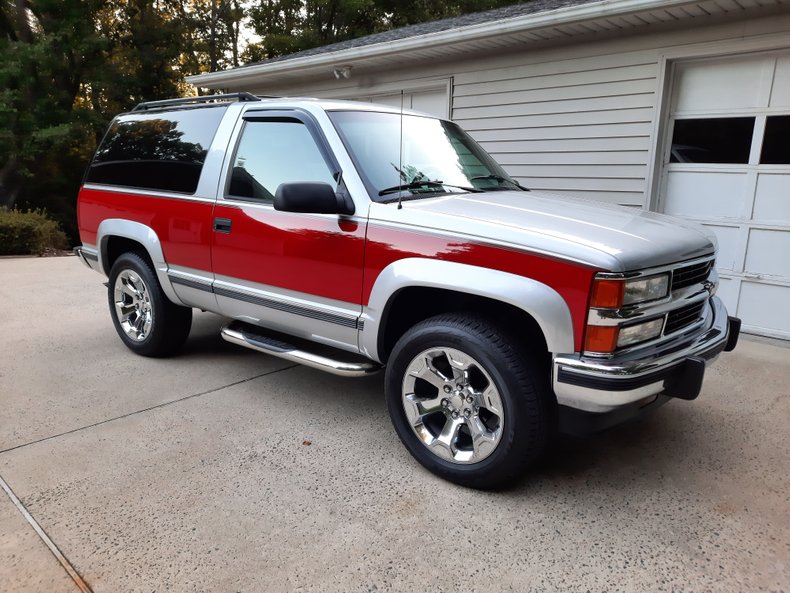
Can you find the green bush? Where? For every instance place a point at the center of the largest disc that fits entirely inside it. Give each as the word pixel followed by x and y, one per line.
pixel 29 233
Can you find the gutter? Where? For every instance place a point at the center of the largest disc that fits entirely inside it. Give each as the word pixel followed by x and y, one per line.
pixel 553 18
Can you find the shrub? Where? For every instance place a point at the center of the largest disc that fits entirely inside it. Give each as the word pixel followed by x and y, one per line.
pixel 29 233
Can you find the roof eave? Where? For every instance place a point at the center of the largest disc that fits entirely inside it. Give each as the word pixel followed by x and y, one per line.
pixel 561 16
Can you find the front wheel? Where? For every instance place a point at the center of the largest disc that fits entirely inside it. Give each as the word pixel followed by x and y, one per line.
pixel 469 403
pixel 145 319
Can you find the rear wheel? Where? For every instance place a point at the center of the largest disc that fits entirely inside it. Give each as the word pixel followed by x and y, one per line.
pixel 468 402
pixel 145 319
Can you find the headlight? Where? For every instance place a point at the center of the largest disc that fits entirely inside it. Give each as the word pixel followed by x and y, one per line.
pixel 614 293
pixel 651 288
pixel 641 332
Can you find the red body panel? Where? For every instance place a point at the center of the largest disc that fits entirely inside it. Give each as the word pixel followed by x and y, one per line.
pixel 312 254
pixel 183 226
pixel 308 253
pixel 572 281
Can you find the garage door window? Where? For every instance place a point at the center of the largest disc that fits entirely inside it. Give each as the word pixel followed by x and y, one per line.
pixel 712 140
pixel 776 146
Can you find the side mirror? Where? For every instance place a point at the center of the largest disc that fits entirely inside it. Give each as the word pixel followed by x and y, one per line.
pixel 313 198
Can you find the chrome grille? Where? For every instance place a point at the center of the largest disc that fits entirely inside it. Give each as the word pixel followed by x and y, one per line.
pixel 683 317
pixel 688 275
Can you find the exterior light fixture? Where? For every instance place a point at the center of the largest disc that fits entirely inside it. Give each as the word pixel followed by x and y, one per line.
pixel 342 72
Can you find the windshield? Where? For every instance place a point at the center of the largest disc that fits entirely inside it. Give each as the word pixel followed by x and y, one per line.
pixel 437 157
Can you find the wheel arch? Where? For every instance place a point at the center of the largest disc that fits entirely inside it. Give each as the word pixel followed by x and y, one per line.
pixel 408 283
pixel 116 236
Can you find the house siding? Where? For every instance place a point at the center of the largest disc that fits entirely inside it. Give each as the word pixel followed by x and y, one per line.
pixel 581 127
pixel 579 117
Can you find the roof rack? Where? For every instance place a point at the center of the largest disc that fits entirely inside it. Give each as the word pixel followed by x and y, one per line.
pixel 192 100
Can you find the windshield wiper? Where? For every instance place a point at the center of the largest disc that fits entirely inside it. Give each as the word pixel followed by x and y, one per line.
pixel 424 183
pixel 500 179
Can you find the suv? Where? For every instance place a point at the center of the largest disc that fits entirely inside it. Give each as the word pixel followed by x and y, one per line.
pixel 353 237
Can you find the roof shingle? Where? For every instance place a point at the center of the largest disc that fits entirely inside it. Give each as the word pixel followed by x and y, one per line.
pixel 476 18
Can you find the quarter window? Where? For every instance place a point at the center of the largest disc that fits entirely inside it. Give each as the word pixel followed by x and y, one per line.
pixel 160 151
pixel 274 152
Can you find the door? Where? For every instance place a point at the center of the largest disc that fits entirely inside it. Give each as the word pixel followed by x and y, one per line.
pixel 293 272
pixel 727 166
pixel 431 101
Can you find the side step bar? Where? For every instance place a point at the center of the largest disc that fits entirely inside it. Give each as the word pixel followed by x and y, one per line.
pixel 253 337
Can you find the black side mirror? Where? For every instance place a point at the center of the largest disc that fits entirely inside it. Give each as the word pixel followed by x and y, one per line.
pixel 309 197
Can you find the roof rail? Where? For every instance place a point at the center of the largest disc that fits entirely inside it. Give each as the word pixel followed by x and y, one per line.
pixel 192 100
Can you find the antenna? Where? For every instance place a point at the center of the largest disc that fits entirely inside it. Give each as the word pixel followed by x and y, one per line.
pixel 400 151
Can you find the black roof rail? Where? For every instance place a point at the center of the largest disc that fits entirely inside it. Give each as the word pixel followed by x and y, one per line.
pixel 192 100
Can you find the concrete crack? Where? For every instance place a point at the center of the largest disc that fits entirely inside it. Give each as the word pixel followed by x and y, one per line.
pixel 59 556
pixel 162 405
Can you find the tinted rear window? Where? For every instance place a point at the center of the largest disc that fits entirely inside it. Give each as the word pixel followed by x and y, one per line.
pixel 159 151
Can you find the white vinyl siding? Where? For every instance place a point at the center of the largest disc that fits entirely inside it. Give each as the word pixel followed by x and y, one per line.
pixel 578 127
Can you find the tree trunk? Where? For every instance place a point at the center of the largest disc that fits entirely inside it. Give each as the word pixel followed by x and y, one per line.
pixel 23 21
pixel 212 47
pixel 8 190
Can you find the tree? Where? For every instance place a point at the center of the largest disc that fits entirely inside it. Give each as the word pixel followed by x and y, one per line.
pixel 66 67
pixel 212 31
pixel 45 50
pixel 288 26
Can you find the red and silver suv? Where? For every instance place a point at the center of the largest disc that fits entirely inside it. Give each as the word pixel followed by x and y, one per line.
pixel 351 237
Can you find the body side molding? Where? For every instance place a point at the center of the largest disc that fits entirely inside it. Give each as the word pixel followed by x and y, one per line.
pixel 540 301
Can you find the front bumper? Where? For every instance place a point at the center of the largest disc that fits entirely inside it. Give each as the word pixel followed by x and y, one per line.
pixel 675 369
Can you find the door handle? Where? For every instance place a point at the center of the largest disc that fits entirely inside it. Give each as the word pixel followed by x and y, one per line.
pixel 222 225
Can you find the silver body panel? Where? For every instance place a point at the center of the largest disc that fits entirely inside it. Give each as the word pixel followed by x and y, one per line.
pixel 609 238
pixel 321 320
pixel 542 302
pixel 193 287
pixel 145 235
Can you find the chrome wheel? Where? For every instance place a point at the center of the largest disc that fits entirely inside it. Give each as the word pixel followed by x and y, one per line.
pixel 453 405
pixel 133 305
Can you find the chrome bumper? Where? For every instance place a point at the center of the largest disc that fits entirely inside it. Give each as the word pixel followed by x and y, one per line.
pixel 604 385
pixel 89 256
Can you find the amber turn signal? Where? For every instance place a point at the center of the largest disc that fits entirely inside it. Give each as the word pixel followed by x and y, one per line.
pixel 607 294
pixel 601 338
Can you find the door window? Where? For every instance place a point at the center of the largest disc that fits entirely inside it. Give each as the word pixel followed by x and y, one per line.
pixel 274 152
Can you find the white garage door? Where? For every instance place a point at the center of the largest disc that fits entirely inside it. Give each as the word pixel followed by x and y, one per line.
pixel 434 101
pixel 727 165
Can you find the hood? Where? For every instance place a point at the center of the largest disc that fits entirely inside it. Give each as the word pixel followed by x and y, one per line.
pixel 612 238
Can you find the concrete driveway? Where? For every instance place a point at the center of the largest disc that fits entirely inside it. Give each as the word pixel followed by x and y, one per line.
pixel 195 474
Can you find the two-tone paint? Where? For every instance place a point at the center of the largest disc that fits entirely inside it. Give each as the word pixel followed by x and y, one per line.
pixel 329 278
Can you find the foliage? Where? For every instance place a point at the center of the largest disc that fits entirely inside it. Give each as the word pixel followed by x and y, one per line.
pixel 29 233
pixel 68 66
pixel 287 26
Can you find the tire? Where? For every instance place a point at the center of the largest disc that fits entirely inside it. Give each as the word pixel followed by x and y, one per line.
pixel 468 402
pixel 145 319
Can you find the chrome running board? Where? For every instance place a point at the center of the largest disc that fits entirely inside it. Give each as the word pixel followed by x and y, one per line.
pixel 253 337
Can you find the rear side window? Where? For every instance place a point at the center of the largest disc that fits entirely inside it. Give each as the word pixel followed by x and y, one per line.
pixel 159 151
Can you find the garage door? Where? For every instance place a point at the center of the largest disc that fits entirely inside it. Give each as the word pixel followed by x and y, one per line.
pixel 433 101
pixel 727 166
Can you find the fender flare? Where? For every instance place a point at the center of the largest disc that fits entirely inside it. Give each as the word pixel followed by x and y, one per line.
pixel 540 301
pixel 145 236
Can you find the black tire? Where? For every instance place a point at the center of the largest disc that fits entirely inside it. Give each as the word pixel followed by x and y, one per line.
pixel 163 325
pixel 521 378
